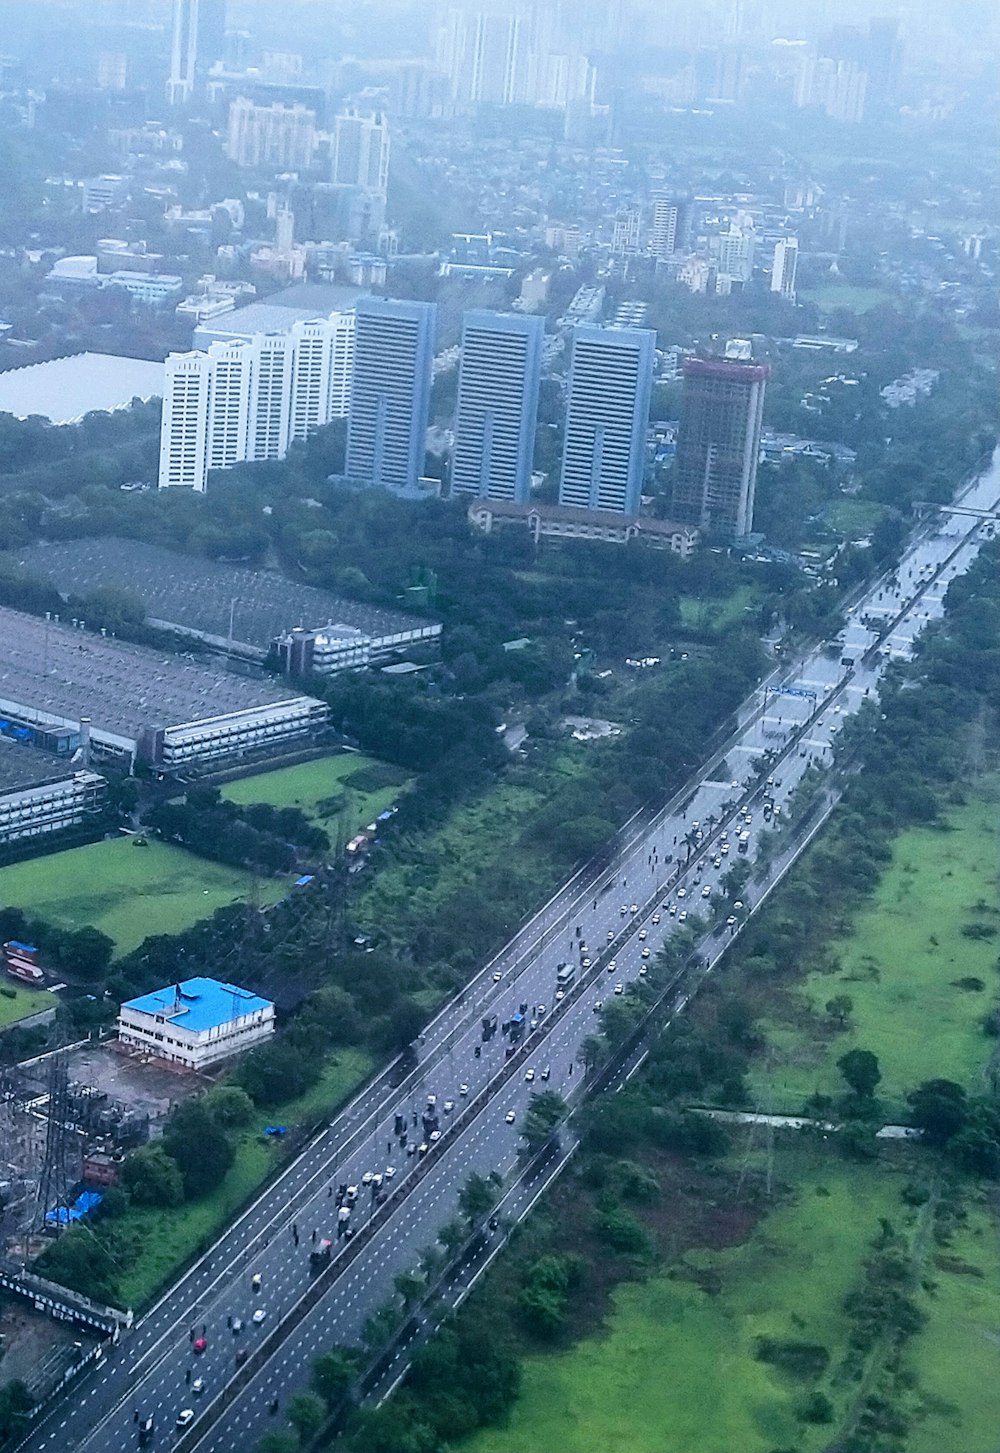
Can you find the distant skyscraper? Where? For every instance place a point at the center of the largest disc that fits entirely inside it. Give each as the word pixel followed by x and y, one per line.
pixel 718 443
pixel 390 393
pixel 736 251
pixel 786 260
pixel 275 136
pixel 360 151
pixel 198 41
pixel 498 385
pixel 625 236
pixel 669 229
pixel 607 414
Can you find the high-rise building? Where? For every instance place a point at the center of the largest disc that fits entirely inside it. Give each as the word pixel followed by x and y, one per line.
pixel 197 42
pixel 607 414
pixel 280 138
pixel 498 384
pixel 668 233
pixel 625 234
pixel 737 247
pixel 718 444
pixel 786 261
pixel 359 154
pixel 390 392
pixel 839 87
pixel 485 56
pixel 248 399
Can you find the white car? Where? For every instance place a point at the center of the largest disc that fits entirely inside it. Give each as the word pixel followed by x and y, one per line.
pixel 598 1005
pixel 497 977
pixel 542 1011
pixel 717 861
pixel 185 1417
pixel 706 892
pixel 434 1136
pixel 529 1075
pixel 198 1386
pixel 611 935
pixel 448 1106
pixel 619 988
pixel 682 892
pixel 672 910
pixel 463 1090
pixel 377 1181
pixel 642 934
pixel 656 918
pixel 645 953
pixel 389 1172
pixel 258 1316
pixel 560 995
pixel 431 1101
pixel 367 1178
pixel 510 1116
pixel 731 921
pixel 634 908
pixel 724 849
pixel 585 963
pixel 682 915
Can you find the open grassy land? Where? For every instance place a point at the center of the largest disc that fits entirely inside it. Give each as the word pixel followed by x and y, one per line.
pixel 340 793
pixel 843 295
pixel 126 891
pixel 675 1370
pixel 169 1238
pixel 719 613
pixel 853 517
pixel 956 1358
pixel 919 965
pixel 17 1002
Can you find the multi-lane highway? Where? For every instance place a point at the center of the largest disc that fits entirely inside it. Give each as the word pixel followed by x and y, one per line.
pixel 626 912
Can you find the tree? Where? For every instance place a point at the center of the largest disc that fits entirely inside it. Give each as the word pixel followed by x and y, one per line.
pixel 334 1374
pixel 393 1428
pixel 410 1287
pixel 195 1141
pixel 87 952
pixel 840 1009
pixel 307 1414
pixel 452 1235
pixel 939 1108
pixel 152 1177
pixel 590 1054
pixel 476 1199
pixel 544 1113
pixel 621 1230
pixel 277 1442
pixel 230 1106
pixel 859 1068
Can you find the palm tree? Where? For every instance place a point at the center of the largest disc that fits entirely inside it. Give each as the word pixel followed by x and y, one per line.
pixel 690 841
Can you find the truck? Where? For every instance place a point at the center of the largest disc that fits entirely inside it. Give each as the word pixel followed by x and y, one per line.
pixel 21 962
pixel 743 843
pixel 565 976
pixel 320 1255
pixel 516 1027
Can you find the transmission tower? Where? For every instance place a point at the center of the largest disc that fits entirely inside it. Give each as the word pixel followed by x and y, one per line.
pixel 58 1173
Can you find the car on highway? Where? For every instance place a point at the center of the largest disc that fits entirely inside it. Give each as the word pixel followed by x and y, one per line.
pixel 598 1005
pixel 642 934
pixel 431 1101
pixel 185 1418
pixel 546 1073
pixel 682 892
pixel 423 1148
pixel 619 988
pixel 529 1074
pixel 645 953
pixel 198 1386
pixel 434 1137
pixel 656 918
pixel 366 1179
pixel 241 1356
pixel 463 1090
pixel 585 963
pixel 237 1326
pixel 611 935
pixel 634 908
pixel 497 977
pixel 389 1172
pixel 623 909
pixel 448 1106
pixel 672 910
pixel 560 995
pixel 258 1316
pixel 198 1345
pixel 732 920
pixel 411 1149
pixel 724 849
pixel 706 892
pixel 682 916
pixel 510 1116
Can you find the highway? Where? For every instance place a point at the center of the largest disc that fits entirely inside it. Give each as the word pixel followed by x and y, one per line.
pixel 648 890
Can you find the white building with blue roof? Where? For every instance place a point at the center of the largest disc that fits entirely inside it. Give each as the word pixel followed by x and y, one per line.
pixel 197 1023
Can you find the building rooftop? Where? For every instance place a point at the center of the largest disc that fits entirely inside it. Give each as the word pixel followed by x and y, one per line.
pixel 201 595
pixel 199 1005
pixel 22 766
pixel 65 389
pixel 62 673
pixel 297 304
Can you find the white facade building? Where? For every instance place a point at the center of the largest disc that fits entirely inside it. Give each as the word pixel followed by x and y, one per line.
pixel 197 1023
pixel 359 151
pixel 786 261
pixel 275 136
pixel 247 400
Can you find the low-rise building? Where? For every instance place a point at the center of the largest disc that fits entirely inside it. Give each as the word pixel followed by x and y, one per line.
pixel 197 1023
pixel 40 794
pixel 563 522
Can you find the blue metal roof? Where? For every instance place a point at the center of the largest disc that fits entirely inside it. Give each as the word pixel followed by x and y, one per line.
pixel 198 1004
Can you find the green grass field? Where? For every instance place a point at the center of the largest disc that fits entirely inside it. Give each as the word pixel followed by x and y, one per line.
pixel 321 789
pixel 17 1002
pixel 718 613
pixel 843 295
pixel 956 1358
pixel 675 1370
pixel 170 1238
pixel 853 517
pixel 901 965
pixel 127 892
